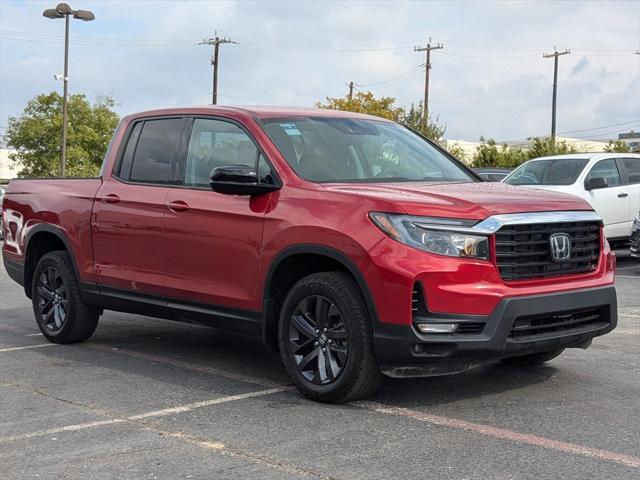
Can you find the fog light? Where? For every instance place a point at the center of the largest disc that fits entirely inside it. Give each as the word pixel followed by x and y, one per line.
pixel 437 327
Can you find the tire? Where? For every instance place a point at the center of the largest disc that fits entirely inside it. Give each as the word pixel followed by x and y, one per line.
pixel 325 339
pixel 60 313
pixel 532 359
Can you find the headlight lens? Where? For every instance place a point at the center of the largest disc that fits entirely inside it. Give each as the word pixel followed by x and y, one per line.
pixel 434 235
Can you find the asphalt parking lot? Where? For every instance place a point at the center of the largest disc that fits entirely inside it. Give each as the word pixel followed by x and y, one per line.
pixel 147 398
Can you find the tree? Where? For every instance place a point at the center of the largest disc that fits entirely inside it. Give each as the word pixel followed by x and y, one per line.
pixel 412 118
pixel 458 152
pixel 618 147
pixel 366 102
pixel 36 135
pixel 490 154
pixel 545 146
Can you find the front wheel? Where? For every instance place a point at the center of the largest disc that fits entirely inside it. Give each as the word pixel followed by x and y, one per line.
pixel 325 339
pixel 61 314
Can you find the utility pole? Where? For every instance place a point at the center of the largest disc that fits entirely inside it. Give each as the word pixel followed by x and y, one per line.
pixel 555 56
pixel 216 42
pixel 351 86
pixel 428 48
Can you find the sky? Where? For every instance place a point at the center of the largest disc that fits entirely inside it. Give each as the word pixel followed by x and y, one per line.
pixel 490 79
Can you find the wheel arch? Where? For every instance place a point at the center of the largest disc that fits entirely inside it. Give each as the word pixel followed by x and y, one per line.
pixel 317 258
pixel 40 240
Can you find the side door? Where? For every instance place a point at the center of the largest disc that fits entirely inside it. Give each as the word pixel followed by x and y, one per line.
pixel 631 168
pixel 611 202
pixel 213 241
pixel 127 220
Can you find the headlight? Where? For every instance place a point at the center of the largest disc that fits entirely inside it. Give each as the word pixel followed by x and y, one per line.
pixel 443 236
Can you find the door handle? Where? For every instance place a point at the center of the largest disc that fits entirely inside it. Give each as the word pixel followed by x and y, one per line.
pixel 111 198
pixel 178 206
pixel 622 195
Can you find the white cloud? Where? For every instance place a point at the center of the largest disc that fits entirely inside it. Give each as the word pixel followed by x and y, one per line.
pixel 490 79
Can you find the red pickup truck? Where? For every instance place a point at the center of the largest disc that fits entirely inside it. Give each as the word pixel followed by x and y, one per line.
pixel 349 243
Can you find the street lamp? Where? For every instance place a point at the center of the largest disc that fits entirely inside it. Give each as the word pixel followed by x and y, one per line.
pixel 63 10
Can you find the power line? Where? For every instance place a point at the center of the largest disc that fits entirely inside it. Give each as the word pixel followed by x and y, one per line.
pixel 215 42
pixel 601 128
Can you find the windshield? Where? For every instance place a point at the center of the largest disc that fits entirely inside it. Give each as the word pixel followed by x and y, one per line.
pixel 560 171
pixel 324 149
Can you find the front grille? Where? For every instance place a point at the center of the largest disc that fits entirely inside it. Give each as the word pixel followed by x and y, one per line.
pixel 540 324
pixel 523 251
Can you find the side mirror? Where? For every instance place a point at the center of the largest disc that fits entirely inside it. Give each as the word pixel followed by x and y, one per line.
pixel 239 180
pixel 596 183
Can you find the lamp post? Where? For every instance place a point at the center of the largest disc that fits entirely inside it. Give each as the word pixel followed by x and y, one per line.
pixel 63 10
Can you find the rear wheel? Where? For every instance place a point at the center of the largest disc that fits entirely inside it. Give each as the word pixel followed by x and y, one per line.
pixel 61 314
pixel 532 359
pixel 325 339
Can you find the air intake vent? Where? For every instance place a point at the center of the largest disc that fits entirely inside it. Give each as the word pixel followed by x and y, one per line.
pixel 542 324
pixel 418 305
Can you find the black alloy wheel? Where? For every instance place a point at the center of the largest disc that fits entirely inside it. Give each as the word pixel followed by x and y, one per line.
pixel 60 312
pixel 319 339
pixel 52 300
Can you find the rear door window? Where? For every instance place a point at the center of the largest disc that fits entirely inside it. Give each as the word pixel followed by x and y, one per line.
pixel 155 157
pixel 633 169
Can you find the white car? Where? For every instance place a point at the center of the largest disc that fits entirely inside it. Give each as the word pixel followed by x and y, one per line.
pixel 610 182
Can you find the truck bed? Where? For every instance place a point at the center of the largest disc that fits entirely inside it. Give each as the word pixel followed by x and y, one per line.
pixel 35 206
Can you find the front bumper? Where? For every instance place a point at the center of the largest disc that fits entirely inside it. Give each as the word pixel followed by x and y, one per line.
pixel 402 351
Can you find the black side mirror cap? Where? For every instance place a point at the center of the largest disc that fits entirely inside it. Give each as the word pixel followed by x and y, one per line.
pixel 239 180
pixel 596 183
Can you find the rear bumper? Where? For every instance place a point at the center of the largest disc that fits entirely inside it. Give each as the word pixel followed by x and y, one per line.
pixel 402 351
pixel 14 269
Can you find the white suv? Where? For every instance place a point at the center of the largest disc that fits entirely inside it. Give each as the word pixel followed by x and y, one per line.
pixel 610 182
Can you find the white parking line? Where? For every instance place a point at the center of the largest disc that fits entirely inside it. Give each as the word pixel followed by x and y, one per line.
pixel 504 434
pixel 33 334
pixel 13 349
pixel 142 416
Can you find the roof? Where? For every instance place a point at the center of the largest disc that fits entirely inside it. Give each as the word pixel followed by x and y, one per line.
pixel 589 156
pixel 259 111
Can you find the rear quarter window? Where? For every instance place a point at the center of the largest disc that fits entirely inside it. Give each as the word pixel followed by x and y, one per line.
pixel 154 159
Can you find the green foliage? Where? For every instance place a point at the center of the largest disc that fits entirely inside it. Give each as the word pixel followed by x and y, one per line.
pixel 458 152
pixel 36 135
pixel 490 154
pixel 545 146
pixel 412 118
pixel 618 147
pixel 366 102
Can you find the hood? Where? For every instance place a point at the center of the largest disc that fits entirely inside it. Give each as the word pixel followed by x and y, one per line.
pixel 463 200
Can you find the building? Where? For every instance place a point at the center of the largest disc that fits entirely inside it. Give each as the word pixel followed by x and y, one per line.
pixel 632 139
pixel 7 169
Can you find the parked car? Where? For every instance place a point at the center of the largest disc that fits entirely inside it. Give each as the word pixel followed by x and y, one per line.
pixel 610 182
pixel 347 242
pixel 634 241
pixel 493 174
pixel 2 190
